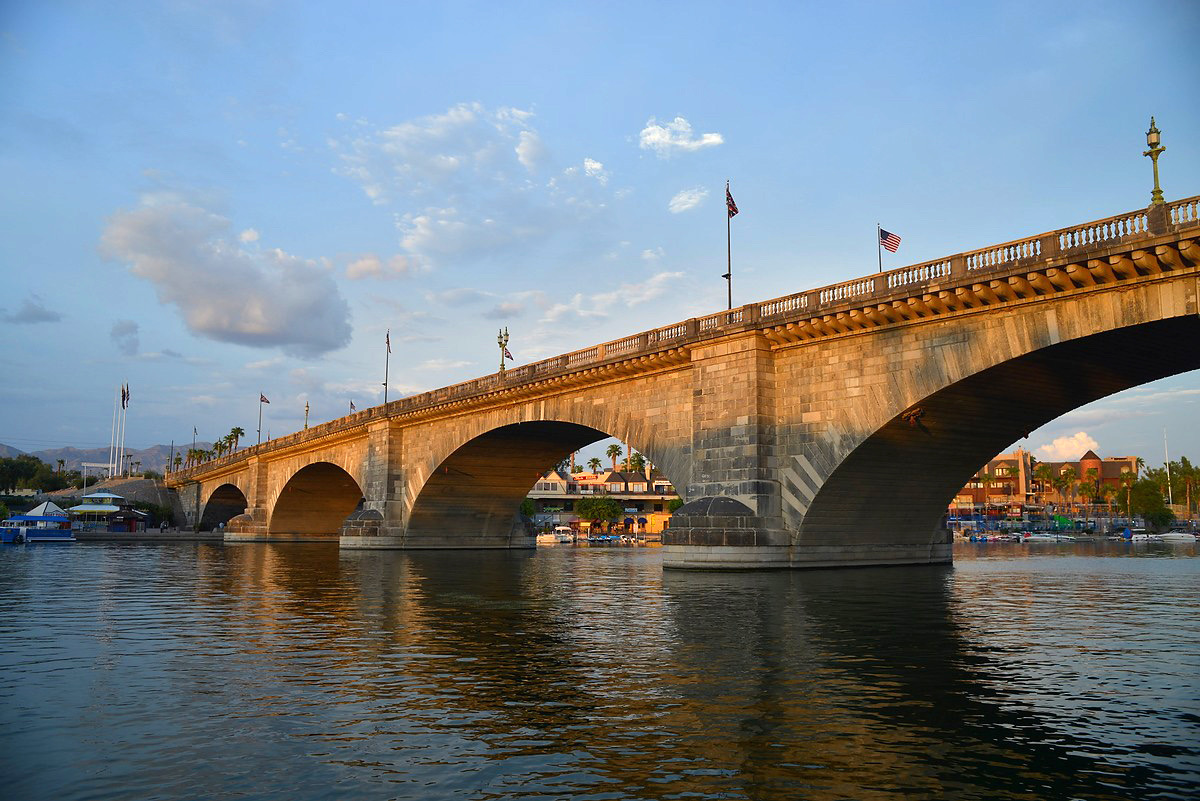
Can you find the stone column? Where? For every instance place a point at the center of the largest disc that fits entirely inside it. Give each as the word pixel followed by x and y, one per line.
pixel 253 524
pixel 380 523
pixel 733 516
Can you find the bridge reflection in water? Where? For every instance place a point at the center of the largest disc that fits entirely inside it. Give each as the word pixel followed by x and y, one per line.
pixel 297 671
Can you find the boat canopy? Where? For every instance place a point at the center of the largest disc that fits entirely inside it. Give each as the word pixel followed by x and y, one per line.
pixel 103 496
pixel 95 507
pixel 47 508
pixel 38 518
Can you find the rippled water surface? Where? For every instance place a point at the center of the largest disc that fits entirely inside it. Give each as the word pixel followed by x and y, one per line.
pixel 302 672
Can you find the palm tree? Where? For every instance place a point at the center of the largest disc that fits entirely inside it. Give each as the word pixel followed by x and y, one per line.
pixel 595 464
pixel 178 460
pixel 1127 480
pixel 1065 481
pixel 237 432
pixel 137 466
pixel 1108 492
pixel 1045 476
pixel 637 462
pixel 61 464
pixel 614 451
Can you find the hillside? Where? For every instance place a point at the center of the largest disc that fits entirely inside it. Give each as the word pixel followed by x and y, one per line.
pixel 152 458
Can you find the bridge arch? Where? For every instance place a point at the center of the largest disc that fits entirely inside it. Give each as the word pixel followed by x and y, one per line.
pixel 477 488
pixel 222 505
pixel 903 476
pixel 314 503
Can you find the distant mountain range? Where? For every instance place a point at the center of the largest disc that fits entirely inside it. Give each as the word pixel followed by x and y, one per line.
pixel 152 458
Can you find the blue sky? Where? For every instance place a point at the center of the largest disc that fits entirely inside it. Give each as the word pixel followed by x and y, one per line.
pixel 209 200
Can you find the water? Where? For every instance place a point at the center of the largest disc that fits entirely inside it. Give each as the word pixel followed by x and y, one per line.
pixel 299 672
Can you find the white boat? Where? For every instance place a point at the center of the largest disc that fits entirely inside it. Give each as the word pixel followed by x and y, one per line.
pixel 1047 536
pixel 564 534
pixel 1177 536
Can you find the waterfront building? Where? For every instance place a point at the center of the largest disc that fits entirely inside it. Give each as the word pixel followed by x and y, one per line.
pixel 645 498
pixel 1013 486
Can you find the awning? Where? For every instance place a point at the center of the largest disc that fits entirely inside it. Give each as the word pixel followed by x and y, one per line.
pixel 94 507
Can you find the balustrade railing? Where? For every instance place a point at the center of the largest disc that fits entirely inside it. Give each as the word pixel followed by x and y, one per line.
pixel 1119 229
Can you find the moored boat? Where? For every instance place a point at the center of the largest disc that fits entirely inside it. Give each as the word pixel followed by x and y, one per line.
pixel 44 523
pixel 1178 536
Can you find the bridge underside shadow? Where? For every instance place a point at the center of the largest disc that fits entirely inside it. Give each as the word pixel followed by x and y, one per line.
pixel 226 503
pixel 901 480
pixel 473 498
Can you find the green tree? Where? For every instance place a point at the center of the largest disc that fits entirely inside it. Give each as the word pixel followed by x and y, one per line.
pixel 527 507
pixel 1148 501
pixel 637 462
pixel 598 508
pixel 595 464
pixel 237 432
pixel 674 504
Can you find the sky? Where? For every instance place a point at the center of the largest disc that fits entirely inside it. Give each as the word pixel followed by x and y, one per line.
pixel 215 200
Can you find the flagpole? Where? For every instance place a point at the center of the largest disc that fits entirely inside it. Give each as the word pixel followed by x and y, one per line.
pixel 878 243
pixel 260 418
pixel 386 359
pixel 728 254
pixel 121 430
pixel 112 439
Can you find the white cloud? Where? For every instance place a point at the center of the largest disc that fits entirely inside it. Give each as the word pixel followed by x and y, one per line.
pixel 595 169
pixel 687 199
pixel 460 296
pixel 249 235
pixel 674 137
pixel 530 151
pixel 505 310
pixel 1067 449
pixel 652 255
pixel 371 266
pixel 224 292
pixel 597 305
pixel 463 188
pixel 443 364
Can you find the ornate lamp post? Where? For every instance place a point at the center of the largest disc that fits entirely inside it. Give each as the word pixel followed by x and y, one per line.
pixel 1153 139
pixel 306 415
pixel 502 341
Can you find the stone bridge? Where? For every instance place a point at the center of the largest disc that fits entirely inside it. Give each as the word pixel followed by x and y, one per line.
pixel 830 427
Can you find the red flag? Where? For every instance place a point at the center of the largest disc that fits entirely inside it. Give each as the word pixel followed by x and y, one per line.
pixel 730 206
pixel 262 398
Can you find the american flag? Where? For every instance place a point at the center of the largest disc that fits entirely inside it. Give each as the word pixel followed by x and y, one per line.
pixel 730 206
pixel 352 407
pixel 889 240
pixel 262 398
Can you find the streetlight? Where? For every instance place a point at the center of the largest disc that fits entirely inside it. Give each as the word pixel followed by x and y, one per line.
pixel 502 341
pixel 1153 140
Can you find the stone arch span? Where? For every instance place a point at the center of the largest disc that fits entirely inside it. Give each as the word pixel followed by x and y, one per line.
pixel 224 503
pixel 902 477
pixel 472 498
pixel 314 503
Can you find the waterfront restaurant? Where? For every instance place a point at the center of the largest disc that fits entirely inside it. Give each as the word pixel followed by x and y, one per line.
pixel 104 511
